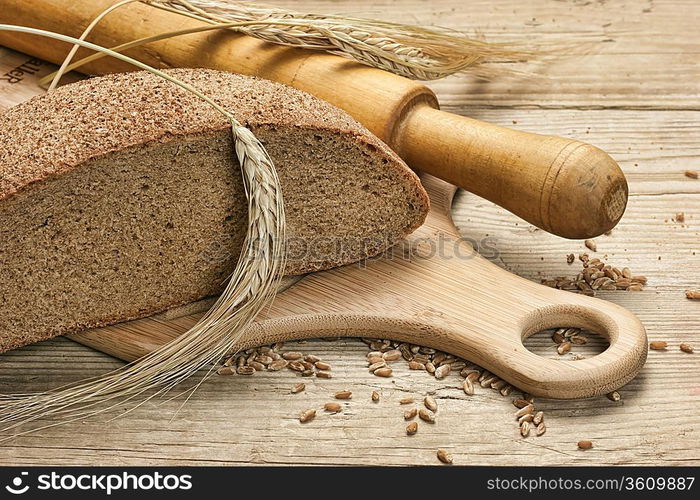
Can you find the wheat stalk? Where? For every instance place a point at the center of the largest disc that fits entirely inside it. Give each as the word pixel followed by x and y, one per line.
pixel 250 289
pixel 67 66
pixel 84 35
pixel 411 51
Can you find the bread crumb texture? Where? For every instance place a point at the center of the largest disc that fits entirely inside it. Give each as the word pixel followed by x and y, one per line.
pixel 121 197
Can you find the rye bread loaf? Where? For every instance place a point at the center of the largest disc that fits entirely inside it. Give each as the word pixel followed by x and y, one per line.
pixel 120 196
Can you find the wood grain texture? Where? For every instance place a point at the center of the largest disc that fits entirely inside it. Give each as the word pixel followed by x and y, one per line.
pixel 637 98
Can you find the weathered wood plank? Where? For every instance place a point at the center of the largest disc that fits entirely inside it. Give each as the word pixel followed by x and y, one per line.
pixel 647 240
pixel 638 97
pixel 241 420
pixel 621 54
pixel 617 55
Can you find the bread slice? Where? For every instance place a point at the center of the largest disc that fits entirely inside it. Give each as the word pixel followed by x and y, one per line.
pixel 120 196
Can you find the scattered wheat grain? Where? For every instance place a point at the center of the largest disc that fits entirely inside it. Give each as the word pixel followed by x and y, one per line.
pixel 296 366
pixel 307 415
pixel 498 385
pixel 258 366
pixel 392 355
pixel 558 337
pixel 278 365
pixel 474 376
pixel 343 395
pixel 538 418
pixel 409 414
pixel 430 403
pixel 563 348
pixel 525 429
pixel 426 415
pixel 442 371
pixel 377 365
pixel 265 360
pixel 332 407
pixel 444 457
pixel 505 391
pixel 584 445
pixel 383 372
pixel 525 410
pixel 468 387
pixel 613 396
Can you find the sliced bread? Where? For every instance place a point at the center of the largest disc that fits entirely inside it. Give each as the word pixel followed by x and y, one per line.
pixel 120 196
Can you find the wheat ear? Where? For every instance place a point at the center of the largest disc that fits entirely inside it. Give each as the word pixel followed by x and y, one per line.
pixel 411 51
pixel 250 289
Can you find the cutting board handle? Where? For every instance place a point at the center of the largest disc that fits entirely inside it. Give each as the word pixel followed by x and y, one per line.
pixel 565 378
pixel 488 328
pixel 564 186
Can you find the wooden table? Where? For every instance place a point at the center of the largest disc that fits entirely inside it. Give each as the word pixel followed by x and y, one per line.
pixel 626 78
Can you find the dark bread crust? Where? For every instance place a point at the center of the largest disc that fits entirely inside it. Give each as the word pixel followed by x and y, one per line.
pixel 53 141
pixel 101 115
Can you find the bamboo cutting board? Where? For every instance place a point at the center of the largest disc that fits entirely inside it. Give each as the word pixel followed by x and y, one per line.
pixel 433 290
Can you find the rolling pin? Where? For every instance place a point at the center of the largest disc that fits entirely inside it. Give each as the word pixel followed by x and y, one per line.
pixel 566 187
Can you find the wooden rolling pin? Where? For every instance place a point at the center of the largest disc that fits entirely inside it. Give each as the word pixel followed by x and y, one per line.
pixel 563 186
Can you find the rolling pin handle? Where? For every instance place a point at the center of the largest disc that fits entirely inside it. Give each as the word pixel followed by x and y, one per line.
pixel 564 186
